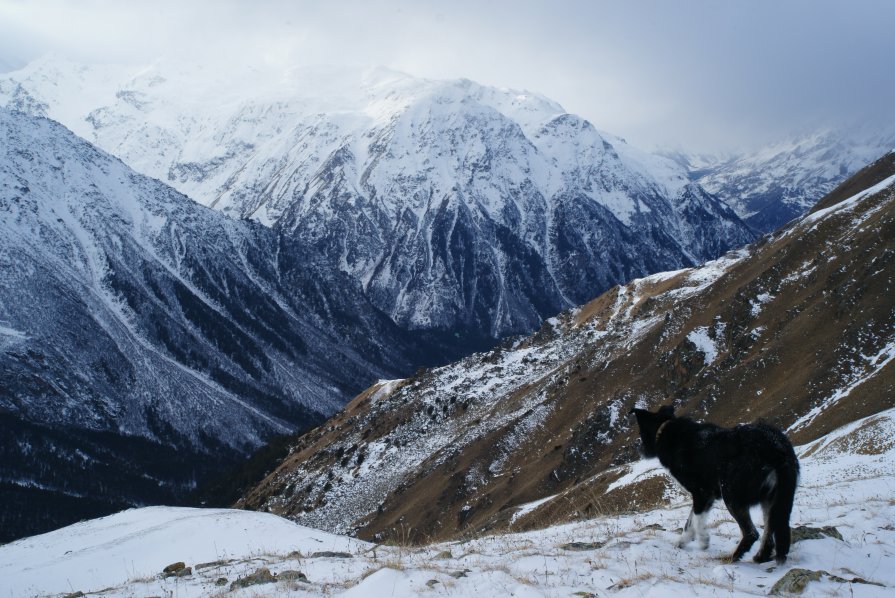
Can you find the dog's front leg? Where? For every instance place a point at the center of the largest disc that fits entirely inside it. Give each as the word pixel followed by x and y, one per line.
pixel 702 504
pixel 688 533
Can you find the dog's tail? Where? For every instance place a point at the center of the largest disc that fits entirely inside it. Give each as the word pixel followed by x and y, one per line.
pixel 781 507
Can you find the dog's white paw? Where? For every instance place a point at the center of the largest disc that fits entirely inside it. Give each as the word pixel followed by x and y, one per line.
pixel 704 543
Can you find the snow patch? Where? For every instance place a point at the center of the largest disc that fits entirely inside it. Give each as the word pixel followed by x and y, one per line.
pixel 704 343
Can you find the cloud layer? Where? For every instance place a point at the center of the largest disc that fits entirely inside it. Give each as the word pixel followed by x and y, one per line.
pixel 699 74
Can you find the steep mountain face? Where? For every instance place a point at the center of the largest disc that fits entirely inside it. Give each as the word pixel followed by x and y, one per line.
pixel 797 328
pixel 146 341
pixel 459 208
pixel 778 183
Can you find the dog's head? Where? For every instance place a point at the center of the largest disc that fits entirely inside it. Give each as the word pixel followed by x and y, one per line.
pixel 649 424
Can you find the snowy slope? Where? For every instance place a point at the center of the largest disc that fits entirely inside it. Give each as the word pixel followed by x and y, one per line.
pixel 769 187
pixel 847 481
pixel 457 206
pixel 148 340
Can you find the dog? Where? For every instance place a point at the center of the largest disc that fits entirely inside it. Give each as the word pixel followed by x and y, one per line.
pixel 746 465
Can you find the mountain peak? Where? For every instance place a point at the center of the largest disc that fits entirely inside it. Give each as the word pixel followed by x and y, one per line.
pixel 457 206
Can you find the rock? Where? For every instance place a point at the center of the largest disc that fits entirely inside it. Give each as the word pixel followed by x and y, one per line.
pixel 220 581
pixel 291 575
pixel 458 574
pixel 796 580
pixel 260 576
pixel 432 582
pixel 444 554
pixel 803 532
pixel 77 594
pixel 263 575
pixel 178 569
pixel 329 554
pixel 173 568
pixel 580 546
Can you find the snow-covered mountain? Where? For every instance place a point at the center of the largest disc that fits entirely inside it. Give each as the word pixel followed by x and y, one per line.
pixel 771 186
pixel 458 207
pixel 146 341
pixel 797 328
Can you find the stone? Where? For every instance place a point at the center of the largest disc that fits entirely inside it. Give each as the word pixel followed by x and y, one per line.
pixel 444 554
pixel 291 575
pixel 173 568
pixel 220 581
pixel 260 576
pixel 795 581
pixel 804 532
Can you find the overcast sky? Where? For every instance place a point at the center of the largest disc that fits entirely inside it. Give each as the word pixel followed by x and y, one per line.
pixel 697 74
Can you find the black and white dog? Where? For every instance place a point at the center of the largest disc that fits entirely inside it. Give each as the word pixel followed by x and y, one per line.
pixel 746 465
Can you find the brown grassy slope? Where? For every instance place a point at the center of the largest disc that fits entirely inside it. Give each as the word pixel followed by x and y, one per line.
pixel 805 314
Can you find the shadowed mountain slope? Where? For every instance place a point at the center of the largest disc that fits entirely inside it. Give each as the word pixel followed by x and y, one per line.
pixel 146 341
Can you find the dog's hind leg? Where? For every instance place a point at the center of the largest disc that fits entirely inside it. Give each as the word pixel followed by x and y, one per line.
pixel 687 534
pixel 767 536
pixel 750 534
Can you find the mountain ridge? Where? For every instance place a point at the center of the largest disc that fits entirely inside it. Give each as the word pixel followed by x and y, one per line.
pixel 773 185
pixel 414 187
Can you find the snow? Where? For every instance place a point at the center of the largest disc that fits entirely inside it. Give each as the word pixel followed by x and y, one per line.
pixel 843 484
pixel 868 368
pixel 138 543
pixel 851 202
pixel 704 343
pixel 10 336
pixel 530 506
pixel 794 173
pixel 757 303
pixel 637 472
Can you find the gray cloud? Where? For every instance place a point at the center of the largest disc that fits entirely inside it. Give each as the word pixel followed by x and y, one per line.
pixel 698 74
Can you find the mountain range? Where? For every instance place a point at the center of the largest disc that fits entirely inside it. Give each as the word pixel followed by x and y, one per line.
pixel 458 208
pixel 797 329
pixel 357 225
pixel 773 185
